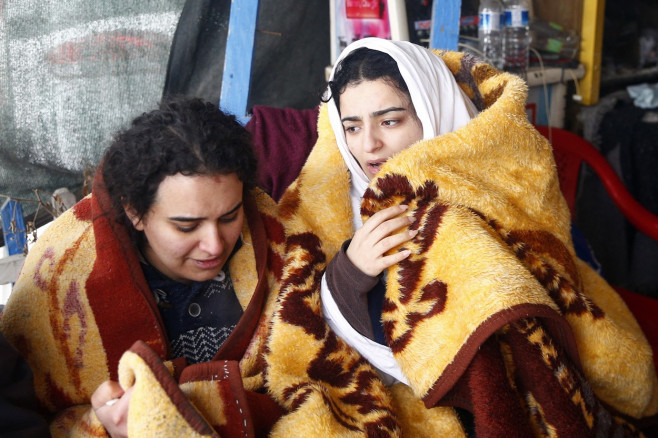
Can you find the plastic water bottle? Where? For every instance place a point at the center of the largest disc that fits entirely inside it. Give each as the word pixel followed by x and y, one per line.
pixel 490 27
pixel 516 37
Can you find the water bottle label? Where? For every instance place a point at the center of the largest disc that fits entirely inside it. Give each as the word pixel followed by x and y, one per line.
pixel 491 21
pixel 516 18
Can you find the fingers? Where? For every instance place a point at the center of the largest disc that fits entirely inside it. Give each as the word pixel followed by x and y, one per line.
pixel 111 405
pixel 384 215
pixel 394 240
pixel 106 392
pixel 394 258
pixel 387 232
pixel 385 261
pixel 377 236
pixel 385 224
pixel 119 407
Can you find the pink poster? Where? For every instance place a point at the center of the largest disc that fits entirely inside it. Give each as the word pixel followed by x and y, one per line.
pixel 356 19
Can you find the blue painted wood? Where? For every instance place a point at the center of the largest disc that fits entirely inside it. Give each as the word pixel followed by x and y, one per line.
pixel 238 57
pixel 13 227
pixel 445 24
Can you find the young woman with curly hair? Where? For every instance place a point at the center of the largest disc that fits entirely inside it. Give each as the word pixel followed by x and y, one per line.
pixel 166 260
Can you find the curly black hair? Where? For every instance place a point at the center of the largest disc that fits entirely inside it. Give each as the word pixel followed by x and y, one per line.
pixel 184 135
pixel 364 64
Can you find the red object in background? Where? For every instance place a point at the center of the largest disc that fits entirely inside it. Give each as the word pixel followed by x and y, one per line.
pixel 570 151
pixel 364 8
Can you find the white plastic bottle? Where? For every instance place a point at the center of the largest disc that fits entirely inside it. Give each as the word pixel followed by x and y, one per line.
pixel 490 27
pixel 516 37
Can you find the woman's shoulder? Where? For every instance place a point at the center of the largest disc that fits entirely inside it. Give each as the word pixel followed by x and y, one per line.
pixel 64 253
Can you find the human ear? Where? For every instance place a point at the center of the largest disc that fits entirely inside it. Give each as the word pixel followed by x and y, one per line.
pixel 134 217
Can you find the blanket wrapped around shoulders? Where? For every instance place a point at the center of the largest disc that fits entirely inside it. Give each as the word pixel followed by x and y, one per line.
pixel 81 313
pixel 492 313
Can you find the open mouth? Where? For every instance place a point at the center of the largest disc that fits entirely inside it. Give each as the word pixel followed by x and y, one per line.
pixel 374 166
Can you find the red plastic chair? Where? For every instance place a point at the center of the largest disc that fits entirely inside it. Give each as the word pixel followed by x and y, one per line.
pixel 570 151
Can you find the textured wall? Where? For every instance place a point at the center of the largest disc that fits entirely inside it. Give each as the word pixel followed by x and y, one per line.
pixel 71 73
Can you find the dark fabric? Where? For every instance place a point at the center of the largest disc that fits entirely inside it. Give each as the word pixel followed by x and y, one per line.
pixel 19 415
pixel 628 258
pixel 291 52
pixel 375 307
pixel 483 390
pixel 196 60
pixel 349 287
pixel 268 412
pixel 489 390
pixel 198 317
pixel 638 158
pixel 282 140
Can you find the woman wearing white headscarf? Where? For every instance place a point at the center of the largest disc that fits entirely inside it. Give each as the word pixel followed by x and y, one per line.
pixel 407 74
pixel 431 242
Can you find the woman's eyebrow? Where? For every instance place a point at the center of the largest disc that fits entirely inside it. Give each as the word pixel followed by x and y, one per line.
pixel 351 119
pixel 373 114
pixel 387 110
pixel 195 219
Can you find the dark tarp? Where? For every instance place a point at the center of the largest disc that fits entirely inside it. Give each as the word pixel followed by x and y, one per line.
pixel 290 55
pixel 626 135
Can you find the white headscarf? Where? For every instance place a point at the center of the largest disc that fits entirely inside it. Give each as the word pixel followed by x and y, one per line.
pixel 440 104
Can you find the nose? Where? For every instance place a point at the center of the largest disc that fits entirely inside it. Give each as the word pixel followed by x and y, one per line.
pixel 212 241
pixel 371 140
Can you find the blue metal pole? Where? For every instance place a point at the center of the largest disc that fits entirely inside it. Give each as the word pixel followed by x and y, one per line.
pixel 445 24
pixel 238 57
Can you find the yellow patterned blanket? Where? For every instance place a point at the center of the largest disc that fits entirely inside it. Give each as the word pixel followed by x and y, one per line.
pixel 492 313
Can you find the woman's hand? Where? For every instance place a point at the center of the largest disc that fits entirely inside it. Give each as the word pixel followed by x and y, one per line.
pixel 110 403
pixel 376 236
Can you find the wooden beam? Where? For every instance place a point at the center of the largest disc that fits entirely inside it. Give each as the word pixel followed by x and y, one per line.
pixel 591 47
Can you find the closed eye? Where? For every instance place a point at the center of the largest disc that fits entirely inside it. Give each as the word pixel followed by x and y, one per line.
pixel 186 228
pixel 229 218
pixel 189 224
